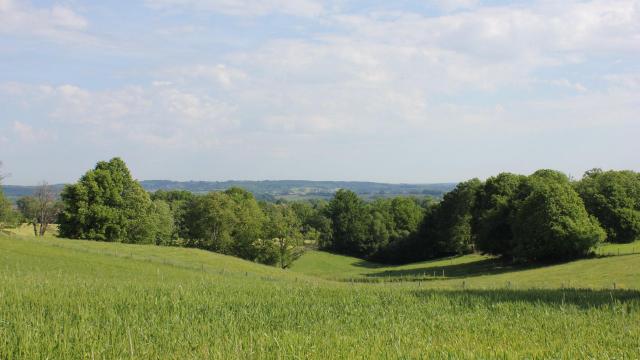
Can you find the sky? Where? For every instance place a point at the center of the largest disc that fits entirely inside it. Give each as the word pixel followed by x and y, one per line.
pixel 390 91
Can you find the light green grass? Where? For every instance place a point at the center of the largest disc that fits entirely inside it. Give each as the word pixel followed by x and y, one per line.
pixel 69 299
pixel 26 230
pixel 479 271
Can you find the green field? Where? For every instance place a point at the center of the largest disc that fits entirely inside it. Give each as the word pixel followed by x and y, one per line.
pixel 81 299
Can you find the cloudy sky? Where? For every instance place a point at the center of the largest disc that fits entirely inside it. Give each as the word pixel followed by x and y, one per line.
pixel 394 91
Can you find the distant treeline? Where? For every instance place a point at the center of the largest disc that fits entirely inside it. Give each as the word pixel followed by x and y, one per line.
pixel 271 190
pixel 541 217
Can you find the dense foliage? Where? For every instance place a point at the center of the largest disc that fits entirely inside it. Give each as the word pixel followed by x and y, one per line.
pixel 551 221
pixel 541 217
pixel 108 204
pixel 536 218
pixel 8 216
pixel 614 198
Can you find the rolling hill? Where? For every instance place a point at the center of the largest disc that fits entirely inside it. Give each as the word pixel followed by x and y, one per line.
pixel 72 298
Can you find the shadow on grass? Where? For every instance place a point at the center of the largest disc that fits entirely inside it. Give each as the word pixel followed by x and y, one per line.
pixel 464 270
pixel 581 298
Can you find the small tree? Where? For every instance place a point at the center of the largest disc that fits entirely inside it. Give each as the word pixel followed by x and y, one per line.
pixel 28 207
pixel 48 208
pixel 8 217
pixel 283 229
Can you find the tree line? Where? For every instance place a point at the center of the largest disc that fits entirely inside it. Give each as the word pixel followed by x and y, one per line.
pixel 541 217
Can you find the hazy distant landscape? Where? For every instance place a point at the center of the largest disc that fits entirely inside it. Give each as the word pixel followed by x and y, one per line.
pixel 273 189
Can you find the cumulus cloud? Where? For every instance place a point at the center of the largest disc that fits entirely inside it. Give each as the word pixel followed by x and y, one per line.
pixel 154 115
pixel 368 76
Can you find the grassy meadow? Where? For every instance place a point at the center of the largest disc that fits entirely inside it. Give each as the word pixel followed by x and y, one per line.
pixel 71 299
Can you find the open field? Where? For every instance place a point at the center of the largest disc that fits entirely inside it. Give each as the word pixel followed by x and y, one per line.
pixel 81 299
pixel 479 271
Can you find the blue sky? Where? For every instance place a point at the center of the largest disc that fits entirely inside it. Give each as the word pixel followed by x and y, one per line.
pixel 401 91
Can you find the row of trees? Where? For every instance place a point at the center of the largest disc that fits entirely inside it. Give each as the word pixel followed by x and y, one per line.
pixel 107 204
pixel 541 217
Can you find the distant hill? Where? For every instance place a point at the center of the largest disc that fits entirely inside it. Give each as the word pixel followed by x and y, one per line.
pixel 275 189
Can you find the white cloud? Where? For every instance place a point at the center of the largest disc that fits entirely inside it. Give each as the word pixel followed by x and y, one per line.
pixel 244 7
pixel 27 134
pixel 452 5
pixel 219 73
pixel 58 22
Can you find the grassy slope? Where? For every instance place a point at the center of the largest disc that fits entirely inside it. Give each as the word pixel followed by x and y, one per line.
pixel 71 299
pixel 478 271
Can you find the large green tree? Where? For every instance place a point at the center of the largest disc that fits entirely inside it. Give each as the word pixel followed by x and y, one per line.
pixel 494 213
pixel 447 229
pixel 551 222
pixel 107 204
pixel 349 221
pixel 249 220
pixel 614 198
pixel 209 220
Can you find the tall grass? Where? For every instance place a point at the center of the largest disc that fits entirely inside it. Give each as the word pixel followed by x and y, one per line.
pixel 67 299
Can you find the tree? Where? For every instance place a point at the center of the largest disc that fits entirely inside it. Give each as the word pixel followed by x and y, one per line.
pixel 282 228
pixel 552 223
pixel 107 204
pixel 614 198
pixel 447 229
pixel 210 220
pixel 178 201
pixel 40 210
pixel 494 211
pixel 348 215
pixel 47 207
pixel 164 224
pixel 28 207
pixel 406 214
pixel 248 225
pixel 8 217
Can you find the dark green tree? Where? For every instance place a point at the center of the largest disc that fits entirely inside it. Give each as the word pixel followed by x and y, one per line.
pixel 447 229
pixel 552 223
pixel 494 212
pixel 349 220
pixel 614 198
pixel 248 224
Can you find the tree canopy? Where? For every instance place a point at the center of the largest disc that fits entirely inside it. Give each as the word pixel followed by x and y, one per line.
pixel 108 204
pixel 614 198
